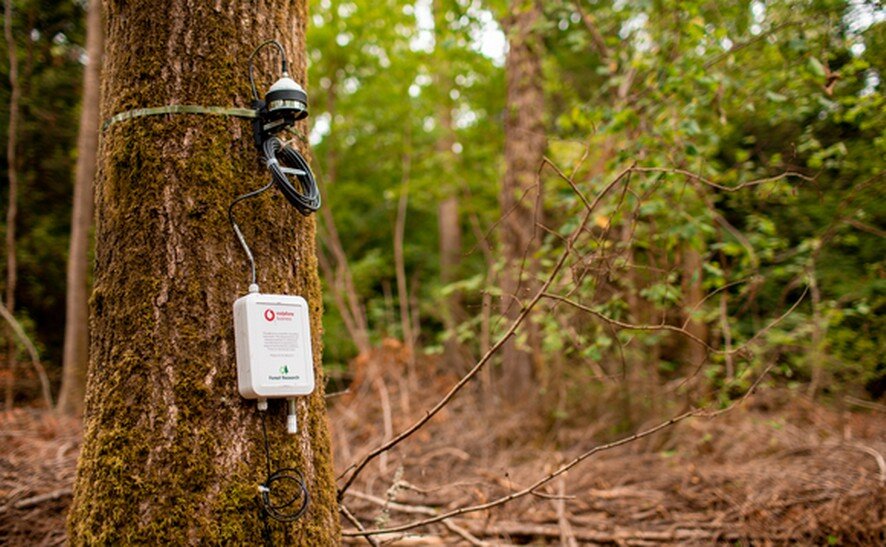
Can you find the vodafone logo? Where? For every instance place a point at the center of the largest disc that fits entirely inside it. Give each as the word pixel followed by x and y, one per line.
pixel 270 315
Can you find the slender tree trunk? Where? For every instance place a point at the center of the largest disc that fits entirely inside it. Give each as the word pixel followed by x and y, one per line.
pixel 76 350
pixel 448 223
pixel 172 455
pixel 693 295
pixel 520 196
pixel 399 239
pixel 337 271
pixel 816 353
pixel 12 208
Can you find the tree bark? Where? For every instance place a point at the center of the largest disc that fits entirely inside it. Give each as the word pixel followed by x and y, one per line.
pixel 171 453
pixel 520 197
pixel 76 349
pixel 12 207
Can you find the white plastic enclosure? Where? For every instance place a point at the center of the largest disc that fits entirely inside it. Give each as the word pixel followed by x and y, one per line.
pixel 272 334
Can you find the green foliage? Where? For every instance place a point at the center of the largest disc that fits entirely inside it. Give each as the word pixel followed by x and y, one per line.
pixel 376 104
pixel 738 93
pixel 49 41
pixel 732 92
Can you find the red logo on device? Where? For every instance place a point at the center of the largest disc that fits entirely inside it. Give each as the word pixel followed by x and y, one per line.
pixel 269 314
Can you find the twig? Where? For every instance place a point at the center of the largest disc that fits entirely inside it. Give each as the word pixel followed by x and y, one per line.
pixel 529 489
pixel 37 500
pixel 870 405
pixel 881 462
pixel 567 536
pixel 712 184
pixel 386 416
pixel 629 326
pixel 355 469
pixel 32 351
pixel 353 520
pixel 566 467
pixel 417 509
pixel 673 328
pixel 596 36
pixel 740 46
pixel 680 535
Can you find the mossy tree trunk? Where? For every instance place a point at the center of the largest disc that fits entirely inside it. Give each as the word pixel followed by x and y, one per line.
pixel 172 454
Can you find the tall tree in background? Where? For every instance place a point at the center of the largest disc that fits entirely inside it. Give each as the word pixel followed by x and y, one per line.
pixel 448 221
pixel 12 206
pixel 172 454
pixel 76 351
pixel 520 197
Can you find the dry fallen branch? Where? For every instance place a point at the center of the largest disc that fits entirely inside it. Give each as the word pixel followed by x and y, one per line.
pixel 37 500
pixel 529 489
pixel 353 520
pixel 870 405
pixel 566 467
pixel 416 510
pixel 619 536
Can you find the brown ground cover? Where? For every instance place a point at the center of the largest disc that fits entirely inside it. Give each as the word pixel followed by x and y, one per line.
pixel 775 470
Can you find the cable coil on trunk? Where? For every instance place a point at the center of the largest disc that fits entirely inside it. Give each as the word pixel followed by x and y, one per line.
pixel 284 161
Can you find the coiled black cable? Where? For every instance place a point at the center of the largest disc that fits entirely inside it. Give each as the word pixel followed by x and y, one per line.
pixel 278 511
pixel 282 161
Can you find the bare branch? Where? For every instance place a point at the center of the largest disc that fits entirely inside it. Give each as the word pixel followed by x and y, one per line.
pixel 707 182
pixel 572 463
pixel 673 328
pixel 355 469
pixel 529 489
pixel 353 520
pixel 32 351
pixel 742 45
pixel 629 326
pixel 417 510
pixel 596 37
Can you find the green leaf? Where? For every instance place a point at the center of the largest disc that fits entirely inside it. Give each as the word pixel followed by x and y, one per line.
pixel 816 67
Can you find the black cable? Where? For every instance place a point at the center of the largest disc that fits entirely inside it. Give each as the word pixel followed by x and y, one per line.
pixel 236 227
pixel 279 511
pixel 283 160
pixel 252 58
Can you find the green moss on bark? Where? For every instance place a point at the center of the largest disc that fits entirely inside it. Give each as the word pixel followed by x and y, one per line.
pixel 171 453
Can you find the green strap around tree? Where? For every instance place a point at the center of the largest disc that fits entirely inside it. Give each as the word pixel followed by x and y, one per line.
pixel 180 109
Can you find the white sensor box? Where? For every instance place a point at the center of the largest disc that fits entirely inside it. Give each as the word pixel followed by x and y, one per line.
pixel 272 334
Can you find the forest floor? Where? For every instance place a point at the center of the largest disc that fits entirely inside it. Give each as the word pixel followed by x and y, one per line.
pixel 775 470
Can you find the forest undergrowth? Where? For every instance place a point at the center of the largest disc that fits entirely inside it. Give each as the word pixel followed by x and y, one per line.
pixel 775 469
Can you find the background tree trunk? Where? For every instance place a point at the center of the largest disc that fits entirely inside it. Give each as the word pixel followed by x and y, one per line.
pixel 693 296
pixel 520 197
pixel 448 222
pixel 172 454
pixel 12 207
pixel 76 350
